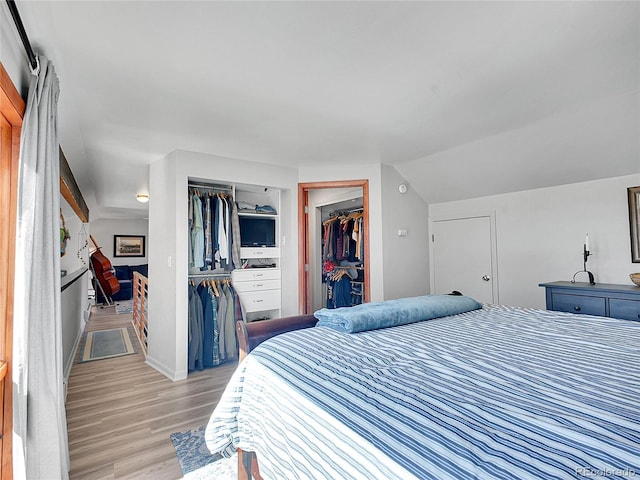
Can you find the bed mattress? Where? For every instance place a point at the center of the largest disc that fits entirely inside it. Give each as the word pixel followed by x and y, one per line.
pixel 500 392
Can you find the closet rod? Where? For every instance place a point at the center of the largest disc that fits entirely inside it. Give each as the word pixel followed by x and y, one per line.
pixel 33 61
pixel 227 188
pixel 337 213
pixel 208 275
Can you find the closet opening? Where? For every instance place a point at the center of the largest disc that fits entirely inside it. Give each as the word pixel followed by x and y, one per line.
pixel 334 244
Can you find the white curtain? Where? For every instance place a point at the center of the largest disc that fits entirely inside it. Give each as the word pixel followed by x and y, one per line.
pixel 40 426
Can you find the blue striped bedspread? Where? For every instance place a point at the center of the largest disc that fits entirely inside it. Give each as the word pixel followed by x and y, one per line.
pixel 499 392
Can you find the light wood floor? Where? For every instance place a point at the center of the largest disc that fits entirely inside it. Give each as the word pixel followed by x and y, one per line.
pixel 120 412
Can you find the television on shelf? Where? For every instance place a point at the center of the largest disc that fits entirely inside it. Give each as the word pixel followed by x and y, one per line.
pixel 257 232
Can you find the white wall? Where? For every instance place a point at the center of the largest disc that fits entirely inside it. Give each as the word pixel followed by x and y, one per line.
pixel 74 300
pixel 104 229
pixel 74 312
pixel 594 141
pixel 540 234
pixel 168 226
pixel 406 258
pixel 12 54
pixel 167 331
pixel 75 256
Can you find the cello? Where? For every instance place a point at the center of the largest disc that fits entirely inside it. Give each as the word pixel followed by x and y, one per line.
pixel 103 272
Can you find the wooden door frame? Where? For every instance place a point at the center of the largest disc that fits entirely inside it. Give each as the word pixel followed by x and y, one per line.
pixel 304 285
pixel 12 108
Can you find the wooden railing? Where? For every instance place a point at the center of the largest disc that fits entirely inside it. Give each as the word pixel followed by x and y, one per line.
pixel 139 320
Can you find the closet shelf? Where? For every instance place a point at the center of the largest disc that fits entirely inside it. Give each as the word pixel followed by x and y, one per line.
pixel 256 214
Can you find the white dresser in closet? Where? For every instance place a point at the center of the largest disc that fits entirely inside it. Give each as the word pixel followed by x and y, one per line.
pixel 258 288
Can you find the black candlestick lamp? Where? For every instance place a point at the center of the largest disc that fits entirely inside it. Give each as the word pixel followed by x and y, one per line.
pixel 586 254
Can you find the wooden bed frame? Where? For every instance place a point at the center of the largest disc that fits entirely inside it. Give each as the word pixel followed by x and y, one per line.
pixel 250 335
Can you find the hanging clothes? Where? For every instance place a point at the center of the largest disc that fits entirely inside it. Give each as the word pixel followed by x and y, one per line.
pixel 197 234
pixel 231 346
pixel 222 317
pixel 214 232
pixel 208 241
pixel 209 313
pixel 343 257
pixel 236 241
pixel 215 329
pixel 342 292
pixel 214 308
pixel 196 329
pixel 223 243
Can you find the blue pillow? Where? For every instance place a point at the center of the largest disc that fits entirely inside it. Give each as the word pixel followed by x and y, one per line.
pixel 390 313
pixel 142 269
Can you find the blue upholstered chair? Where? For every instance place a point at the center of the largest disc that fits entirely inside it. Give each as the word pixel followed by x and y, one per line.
pixel 125 279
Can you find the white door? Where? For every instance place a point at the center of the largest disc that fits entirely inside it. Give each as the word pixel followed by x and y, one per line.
pixel 462 258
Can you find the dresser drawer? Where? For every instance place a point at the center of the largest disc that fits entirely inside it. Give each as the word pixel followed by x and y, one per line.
pixel 563 302
pixel 625 309
pixel 249 274
pixel 259 252
pixel 261 300
pixel 253 285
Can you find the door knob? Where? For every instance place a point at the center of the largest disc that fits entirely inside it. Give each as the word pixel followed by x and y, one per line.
pixel 486 278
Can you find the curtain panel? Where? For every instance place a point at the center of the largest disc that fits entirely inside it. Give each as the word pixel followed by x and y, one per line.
pixel 40 432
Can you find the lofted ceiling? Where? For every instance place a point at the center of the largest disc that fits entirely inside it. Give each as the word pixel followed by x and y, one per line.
pixel 302 83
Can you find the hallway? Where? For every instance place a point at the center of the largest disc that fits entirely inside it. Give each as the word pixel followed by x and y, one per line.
pixel 120 412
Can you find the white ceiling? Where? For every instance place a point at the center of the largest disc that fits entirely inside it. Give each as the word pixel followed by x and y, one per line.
pixel 299 83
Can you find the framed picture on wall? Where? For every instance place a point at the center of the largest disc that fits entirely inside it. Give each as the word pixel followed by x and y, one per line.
pixel 634 222
pixel 128 246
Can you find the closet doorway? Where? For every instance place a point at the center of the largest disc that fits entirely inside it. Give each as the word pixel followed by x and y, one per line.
pixel 341 197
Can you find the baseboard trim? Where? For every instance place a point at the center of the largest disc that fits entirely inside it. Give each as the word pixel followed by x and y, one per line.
pixel 163 369
pixel 71 360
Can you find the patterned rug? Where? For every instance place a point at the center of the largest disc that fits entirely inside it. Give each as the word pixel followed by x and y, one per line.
pixel 102 344
pixel 124 306
pixel 197 462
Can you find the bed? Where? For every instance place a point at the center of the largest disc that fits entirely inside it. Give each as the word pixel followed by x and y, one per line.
pixel 497 392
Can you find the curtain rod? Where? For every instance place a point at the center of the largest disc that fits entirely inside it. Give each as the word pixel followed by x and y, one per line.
pixel 33 60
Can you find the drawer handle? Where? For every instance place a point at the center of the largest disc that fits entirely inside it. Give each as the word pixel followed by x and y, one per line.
pixel 257 275
pixel 576 308
pixel 258 284
pixel 258 301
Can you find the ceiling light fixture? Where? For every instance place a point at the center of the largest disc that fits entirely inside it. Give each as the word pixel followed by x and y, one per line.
pixel 142 197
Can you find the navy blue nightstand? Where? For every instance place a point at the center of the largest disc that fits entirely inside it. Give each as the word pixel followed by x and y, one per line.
pixel 604 299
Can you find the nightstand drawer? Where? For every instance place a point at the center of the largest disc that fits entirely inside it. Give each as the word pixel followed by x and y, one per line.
pixel 625 309
pixel 261 300
pixel 605 299
pixel 563 302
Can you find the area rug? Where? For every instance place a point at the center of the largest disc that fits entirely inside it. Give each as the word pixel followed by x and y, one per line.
pixel 102 344
pixel 124 306
pixel 197 462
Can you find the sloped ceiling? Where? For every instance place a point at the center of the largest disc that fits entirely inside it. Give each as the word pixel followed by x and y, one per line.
pixel 463 98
